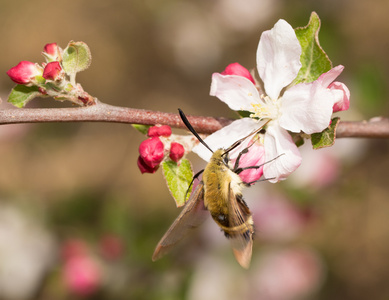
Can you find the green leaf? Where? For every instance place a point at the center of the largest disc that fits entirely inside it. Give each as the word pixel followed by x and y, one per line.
pixel 22 94
pixel 313 58
pixel 178 178
pixel 327 137
pixel 141 128
pixel 76 57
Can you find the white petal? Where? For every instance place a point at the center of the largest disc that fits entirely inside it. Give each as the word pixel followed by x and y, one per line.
pixel 306 107
pixel 278 58
pixel 226 136
pixel 236 91
pixel 280 147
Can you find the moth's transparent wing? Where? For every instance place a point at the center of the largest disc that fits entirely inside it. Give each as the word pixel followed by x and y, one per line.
pixel 241 229
pixel 191 216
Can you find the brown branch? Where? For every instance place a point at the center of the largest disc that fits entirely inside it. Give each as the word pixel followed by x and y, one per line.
pixel 102 112
pixel 377 127
pixel 374 128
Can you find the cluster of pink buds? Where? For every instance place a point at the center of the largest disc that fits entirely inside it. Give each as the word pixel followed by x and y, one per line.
pixel 54 78
pixel 158 147
pixel 29 73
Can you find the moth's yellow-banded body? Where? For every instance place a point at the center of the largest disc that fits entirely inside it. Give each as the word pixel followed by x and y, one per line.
pixel 220 193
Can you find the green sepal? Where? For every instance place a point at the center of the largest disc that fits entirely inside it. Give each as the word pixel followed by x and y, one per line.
pixel 313 58
pixel 244 113
pixel 178 179
pixel 21 95
pixel 141 128
pixel 76 58
pixel 297 139
pixel 327 137
pixel 40 80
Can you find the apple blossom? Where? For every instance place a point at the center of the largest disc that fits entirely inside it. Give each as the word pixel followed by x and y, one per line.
pixel 304 107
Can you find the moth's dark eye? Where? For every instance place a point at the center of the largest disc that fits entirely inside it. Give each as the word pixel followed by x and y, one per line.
pixel 226 159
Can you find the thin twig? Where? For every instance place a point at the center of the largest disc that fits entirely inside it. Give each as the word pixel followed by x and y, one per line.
pixel 101 112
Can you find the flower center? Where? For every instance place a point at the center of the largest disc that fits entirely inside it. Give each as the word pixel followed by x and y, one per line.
pixel 267 109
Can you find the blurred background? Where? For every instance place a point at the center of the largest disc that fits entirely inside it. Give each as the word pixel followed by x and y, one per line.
pixel 79 221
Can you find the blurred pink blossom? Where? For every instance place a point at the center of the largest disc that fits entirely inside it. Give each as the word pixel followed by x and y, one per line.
pixel 278 219
pixel 112 247
pixel 82 273
pixel 286 274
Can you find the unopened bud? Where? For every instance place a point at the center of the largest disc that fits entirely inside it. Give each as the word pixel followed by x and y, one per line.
pixel 144 168
pixel 53 71
pixel 24 72
pixel 52 52
pixel 152 152
pixel 177 151
pixel 163 130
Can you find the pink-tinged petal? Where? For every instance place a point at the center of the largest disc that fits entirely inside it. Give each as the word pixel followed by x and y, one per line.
pixel 238 69
pixel 344 102
pixel 326 78
pixel 280 147
pixel 226 136
pixel 254 157
pixel 342 95
pixel 306 107
pixel 236 91
pixel 278 58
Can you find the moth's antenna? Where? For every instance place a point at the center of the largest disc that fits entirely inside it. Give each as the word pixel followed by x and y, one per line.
pixel 191 129
pixel 238 142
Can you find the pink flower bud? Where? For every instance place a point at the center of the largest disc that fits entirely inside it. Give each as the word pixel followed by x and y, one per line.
pixel 177 151
pixel 163 130
pixel 24 72
pixel 237 69
pixel 51 49
pixel 52 71
pixel 152 152
pixel 144 168
pixel 52 52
